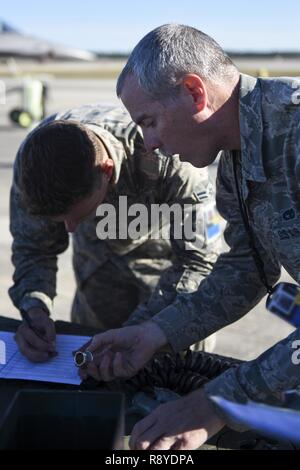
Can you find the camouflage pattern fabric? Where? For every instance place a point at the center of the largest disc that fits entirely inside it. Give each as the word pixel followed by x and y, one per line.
pixel 116 277
pixel 269 180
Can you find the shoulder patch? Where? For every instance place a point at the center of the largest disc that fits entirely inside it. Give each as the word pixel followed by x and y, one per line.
pixel 202 195
pixel 205 191
pixel 213 227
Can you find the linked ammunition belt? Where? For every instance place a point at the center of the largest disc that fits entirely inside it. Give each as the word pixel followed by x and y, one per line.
pixel 180 373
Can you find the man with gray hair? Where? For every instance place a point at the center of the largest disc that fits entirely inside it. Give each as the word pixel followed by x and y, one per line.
pixel 189 98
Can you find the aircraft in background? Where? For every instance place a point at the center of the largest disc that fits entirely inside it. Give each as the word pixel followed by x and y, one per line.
pixel 15 44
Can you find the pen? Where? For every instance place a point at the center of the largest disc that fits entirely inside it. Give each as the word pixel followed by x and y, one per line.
pixel 27 319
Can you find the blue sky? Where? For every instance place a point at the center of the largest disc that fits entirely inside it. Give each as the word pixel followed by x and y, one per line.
pixel 117 25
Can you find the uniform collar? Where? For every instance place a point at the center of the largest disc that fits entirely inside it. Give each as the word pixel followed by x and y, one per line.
pixel 114 148
pixel 251 129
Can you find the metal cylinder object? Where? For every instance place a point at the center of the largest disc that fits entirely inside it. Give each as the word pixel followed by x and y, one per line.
pixel 82 358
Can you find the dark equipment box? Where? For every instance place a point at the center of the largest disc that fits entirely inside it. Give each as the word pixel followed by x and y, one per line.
pixel 50 419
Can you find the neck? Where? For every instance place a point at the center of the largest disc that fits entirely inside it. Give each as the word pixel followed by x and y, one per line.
pixel 232 138
pixel 227 117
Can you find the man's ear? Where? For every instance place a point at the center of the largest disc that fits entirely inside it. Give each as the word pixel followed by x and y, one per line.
pixel 107 167
pixel 193 86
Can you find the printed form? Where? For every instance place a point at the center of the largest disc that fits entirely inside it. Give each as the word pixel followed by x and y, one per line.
pixel 60 369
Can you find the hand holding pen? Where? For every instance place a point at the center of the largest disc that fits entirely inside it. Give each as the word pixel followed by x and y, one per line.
pixel 36 335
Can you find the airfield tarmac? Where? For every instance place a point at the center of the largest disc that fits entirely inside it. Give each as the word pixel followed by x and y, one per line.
pixel 245 339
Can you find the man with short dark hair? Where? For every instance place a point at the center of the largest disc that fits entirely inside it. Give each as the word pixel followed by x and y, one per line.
pixel 67 167
pixel 189 98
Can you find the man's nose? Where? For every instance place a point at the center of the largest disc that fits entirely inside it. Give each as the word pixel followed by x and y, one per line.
pixel 151 142
pixel 70 225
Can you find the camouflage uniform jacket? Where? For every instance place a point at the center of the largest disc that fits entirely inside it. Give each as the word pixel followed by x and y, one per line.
pixel 143 178
pixel 268 170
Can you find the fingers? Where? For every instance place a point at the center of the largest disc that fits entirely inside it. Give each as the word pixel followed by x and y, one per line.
pixel 121 338
pixel 166 443
pixel 102 340
pixel 181 444
pixel 29 352
pixel 117 354
pixel 50 333
pixel 105 368
pixel 44 326
pixel 148 434
pixel 33 340
pixel 83 374
pixel 33 347
pixel 92 371
pixel 141 436
pixel 109 365
pixel 101 367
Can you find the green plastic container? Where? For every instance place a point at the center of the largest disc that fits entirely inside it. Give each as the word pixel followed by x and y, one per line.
pixel 45 419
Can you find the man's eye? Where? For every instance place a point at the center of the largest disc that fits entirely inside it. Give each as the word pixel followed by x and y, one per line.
pixel 149 123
